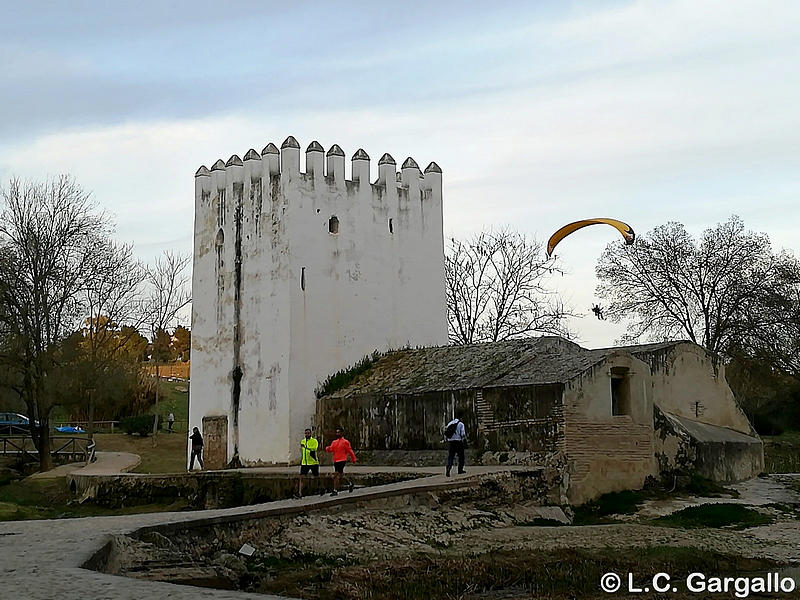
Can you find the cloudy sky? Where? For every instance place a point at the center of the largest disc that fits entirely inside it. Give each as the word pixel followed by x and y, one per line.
pixel 539 113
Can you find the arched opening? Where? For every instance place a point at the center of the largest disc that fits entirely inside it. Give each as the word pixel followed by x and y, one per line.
pixel 391 226
pixel 620 391
pixel 333 224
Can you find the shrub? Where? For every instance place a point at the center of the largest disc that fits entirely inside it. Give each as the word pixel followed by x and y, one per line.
pixel 715 515
pixel 141 424
pixel 341 379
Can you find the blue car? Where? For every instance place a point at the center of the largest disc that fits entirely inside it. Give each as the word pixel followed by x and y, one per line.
pixel 14 424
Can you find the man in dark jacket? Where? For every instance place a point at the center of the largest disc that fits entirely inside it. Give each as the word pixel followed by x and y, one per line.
pixel 197 448
pixel 456 436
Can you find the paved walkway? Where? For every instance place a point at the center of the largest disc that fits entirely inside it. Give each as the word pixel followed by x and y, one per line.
pixel 41 559
pixel 107 463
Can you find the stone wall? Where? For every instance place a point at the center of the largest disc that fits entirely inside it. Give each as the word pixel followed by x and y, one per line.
pixel 686 383
pixel 207 490
pixel 396 422
pixel 523 421
pixel 607 456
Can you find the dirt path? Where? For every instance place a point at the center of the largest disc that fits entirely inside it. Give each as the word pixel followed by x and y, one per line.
pixel 108 463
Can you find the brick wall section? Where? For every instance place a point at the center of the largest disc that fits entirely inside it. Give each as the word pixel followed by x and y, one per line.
pixel 607 456
pixel 521 418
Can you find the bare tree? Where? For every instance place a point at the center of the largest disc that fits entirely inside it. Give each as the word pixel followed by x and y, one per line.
pixel 168 292
pixel 48 237
pixel 497 289
pixel 723 291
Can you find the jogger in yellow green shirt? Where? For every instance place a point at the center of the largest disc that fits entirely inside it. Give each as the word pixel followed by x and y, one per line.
pixel 309 461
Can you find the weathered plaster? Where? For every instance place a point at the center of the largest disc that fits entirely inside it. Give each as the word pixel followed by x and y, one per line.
pixel 278 296
pixel 686 383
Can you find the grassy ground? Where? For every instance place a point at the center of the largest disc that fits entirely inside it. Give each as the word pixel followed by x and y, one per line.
pixel 174 398
pixel 168 456
pixel 734 516
pixel 51 499
pixel 573 573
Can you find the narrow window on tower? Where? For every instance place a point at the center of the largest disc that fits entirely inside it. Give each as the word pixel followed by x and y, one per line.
pixel 303 278
pixel 391 226
pixel 333 224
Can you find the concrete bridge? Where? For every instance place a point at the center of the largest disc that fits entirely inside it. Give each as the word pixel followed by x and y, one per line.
pixel 45 559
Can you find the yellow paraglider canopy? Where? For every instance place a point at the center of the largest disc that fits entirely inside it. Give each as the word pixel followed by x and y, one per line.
pixel 559 235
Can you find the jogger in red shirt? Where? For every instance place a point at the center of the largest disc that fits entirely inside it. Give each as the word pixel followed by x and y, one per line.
pixel 341 449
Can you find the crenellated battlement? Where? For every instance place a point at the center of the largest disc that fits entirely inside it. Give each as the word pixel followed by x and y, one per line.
pixel 319 165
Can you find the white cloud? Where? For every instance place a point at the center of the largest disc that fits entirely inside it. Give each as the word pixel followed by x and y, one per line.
pixel 651 111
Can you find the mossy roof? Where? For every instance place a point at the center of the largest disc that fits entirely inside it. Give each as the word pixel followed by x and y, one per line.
pixel 531 361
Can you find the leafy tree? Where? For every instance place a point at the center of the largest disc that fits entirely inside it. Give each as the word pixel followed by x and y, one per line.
pixel 136 345
pixel 116 393
pixel 162 347
pixel 181 343
pixel 770 397
pixel 496 285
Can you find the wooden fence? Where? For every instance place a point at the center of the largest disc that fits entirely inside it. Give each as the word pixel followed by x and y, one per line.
pixel 73 448
pixel 176 370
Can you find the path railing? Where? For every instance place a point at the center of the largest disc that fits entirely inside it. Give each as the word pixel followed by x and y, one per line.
pixel 71 447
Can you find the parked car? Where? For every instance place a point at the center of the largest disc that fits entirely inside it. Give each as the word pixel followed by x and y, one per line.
pixel 14 424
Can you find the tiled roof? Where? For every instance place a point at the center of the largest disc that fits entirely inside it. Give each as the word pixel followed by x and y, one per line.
pixel 531 361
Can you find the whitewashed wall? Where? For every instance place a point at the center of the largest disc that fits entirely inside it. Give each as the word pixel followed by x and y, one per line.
pixel 366 288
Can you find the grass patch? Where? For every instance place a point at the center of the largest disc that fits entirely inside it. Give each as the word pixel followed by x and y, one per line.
pixel 51 499
pixel 168 456
pixel 700 486
pixel 173 397
pixel 341 379
pixel 734 516
pixel 600 510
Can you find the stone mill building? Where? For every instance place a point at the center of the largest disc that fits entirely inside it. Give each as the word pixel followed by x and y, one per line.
pixel 609 418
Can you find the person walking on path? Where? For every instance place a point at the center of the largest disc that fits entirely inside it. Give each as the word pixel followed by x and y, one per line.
pixel 341 449
pixel 309 461
pixel 170 421
pixel 456 436
pixel 197 448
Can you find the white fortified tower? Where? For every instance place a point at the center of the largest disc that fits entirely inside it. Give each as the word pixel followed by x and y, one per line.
pixel 300 274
